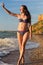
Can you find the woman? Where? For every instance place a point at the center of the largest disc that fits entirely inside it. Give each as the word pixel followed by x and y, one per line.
pixel 24 29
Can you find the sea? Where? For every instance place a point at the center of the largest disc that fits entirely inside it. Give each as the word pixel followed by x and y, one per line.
pixel 9 42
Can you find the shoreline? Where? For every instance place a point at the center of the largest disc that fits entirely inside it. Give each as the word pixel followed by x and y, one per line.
pixel 31 55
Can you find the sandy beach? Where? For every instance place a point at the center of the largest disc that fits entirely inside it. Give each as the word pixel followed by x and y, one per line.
pixel 32 56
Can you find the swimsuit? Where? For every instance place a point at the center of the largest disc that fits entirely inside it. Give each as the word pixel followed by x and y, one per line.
pixel 23 32
pixel 25 21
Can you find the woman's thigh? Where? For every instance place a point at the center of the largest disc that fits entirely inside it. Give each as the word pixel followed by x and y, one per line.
pixel 25 38
pixel 20 38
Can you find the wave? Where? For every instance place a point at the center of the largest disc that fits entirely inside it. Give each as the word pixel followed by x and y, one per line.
pixel 10 44
pixel 8 34
pixel 7 45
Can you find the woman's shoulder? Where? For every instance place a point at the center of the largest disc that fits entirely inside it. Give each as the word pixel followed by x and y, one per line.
pixel 19 16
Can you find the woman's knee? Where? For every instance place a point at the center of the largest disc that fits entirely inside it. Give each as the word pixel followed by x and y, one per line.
pixel 23 43
pixel 23 46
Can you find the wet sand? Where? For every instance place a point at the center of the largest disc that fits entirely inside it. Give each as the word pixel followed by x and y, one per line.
pixel 32 56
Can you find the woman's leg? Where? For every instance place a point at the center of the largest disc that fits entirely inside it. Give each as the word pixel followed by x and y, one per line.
pixel 25 38
pixel 20 38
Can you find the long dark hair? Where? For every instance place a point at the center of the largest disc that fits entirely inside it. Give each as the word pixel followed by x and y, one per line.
pixel 26 12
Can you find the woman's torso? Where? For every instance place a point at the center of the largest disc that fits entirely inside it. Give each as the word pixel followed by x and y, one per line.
pixel 22 25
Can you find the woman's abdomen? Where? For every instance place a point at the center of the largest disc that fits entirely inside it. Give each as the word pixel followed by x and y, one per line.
pixel 22 26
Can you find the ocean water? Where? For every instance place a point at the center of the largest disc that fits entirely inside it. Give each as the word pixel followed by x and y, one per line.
pixel 9 42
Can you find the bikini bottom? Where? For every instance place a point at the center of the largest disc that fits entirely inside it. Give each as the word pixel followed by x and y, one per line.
pixel 23 32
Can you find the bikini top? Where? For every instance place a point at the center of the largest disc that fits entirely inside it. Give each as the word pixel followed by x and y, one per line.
pixel 26 20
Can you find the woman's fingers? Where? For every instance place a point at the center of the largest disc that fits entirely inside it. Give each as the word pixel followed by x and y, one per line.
pixel 3 5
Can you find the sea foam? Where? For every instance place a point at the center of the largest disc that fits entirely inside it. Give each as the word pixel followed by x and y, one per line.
pixel 10 44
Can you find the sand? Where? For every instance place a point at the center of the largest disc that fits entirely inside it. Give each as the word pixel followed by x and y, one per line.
pixel 32 56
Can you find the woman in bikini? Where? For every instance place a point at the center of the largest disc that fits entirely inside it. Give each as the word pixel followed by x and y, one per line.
pixel 24 29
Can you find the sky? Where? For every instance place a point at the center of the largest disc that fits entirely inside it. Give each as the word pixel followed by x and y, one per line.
pixel 10 23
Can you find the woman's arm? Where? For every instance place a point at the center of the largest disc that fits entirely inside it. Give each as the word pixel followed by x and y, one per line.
pixel 9 12
pixel 30 30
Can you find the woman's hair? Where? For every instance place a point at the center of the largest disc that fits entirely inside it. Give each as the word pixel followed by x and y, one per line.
pixel 26 12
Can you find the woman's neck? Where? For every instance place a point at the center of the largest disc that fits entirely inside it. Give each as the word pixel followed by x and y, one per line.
pixel 22 13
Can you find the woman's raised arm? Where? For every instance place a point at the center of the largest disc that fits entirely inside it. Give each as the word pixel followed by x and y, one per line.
pixel 9 12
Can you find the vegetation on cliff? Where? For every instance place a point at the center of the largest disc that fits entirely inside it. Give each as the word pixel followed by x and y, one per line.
pixel 37 28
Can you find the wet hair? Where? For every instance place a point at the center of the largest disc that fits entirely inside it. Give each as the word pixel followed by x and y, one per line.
pixel 26 12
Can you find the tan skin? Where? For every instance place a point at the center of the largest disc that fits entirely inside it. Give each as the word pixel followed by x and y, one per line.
pixel 22 39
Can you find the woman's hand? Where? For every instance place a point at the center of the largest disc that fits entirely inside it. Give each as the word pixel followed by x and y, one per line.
pixel 3 5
